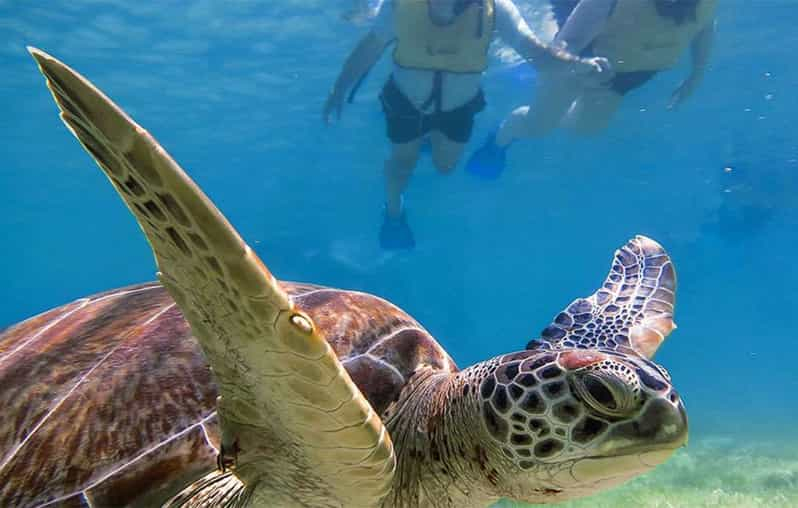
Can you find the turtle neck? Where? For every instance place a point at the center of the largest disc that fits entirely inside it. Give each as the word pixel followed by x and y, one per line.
pixel 442 454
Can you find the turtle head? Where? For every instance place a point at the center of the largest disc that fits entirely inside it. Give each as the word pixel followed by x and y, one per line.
pixel 566 423
pixel 585 407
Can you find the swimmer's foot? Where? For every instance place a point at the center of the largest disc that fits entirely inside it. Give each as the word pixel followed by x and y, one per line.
pixel 426 147
pixel 488 161
pixel 395 234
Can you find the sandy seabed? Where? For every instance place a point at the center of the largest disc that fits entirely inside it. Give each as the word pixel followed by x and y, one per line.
pixel 718 472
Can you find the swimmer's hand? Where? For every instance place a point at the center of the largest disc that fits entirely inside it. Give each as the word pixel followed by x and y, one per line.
pixel 595 70
pixel 599 67
pixel 334 103
pixel 682 93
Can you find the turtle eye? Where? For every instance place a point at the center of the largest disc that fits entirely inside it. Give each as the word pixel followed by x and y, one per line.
pixel 605 394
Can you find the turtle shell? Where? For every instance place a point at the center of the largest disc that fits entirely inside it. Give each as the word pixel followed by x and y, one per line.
pixel 108 401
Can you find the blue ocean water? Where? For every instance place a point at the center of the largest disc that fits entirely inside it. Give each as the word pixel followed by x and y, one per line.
pixel 234 90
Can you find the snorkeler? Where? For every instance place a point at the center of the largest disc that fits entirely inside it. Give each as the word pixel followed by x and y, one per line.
pixel 639 38
pixel 434 90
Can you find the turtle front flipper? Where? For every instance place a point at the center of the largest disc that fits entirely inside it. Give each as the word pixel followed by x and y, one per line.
pixel 303 432
pixel 633 308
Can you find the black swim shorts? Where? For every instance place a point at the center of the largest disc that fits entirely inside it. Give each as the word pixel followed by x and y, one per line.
pixel 405 123
pixel 624 82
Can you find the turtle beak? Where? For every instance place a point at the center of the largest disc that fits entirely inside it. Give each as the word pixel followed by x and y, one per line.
pixel 638 445
pixel 660 427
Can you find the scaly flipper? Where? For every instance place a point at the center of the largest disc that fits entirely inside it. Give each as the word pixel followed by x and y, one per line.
pixel 633 308
pixel 287 405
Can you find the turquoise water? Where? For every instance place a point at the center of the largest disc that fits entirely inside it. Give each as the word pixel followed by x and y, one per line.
pixel 234 92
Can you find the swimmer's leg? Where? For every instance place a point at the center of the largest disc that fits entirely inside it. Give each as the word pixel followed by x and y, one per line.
pixel 554 95
pixel 395 233
pixel 592 112
pixel 445 152
pixel 398 169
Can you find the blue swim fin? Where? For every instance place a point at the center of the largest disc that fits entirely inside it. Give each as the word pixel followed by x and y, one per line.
pixel 395 234
pixel 426 147
pixel 489 160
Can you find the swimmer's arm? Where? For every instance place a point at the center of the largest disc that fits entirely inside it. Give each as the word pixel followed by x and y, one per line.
pixel 586 21
pixel 357 64
pixel 367 51
pixel 360 60
pixel 701 49
pixel 513 30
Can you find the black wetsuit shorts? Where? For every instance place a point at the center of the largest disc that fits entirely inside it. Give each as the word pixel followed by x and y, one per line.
pixel 405 123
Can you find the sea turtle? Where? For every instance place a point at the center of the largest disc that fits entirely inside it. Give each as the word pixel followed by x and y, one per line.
pixel 221 386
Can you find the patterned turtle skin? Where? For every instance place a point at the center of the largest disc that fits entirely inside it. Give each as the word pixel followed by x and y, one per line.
pixel 222 386
pixel 107 365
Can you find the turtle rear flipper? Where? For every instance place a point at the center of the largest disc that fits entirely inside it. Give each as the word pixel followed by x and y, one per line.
pixel 299 424
pixel 632 309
